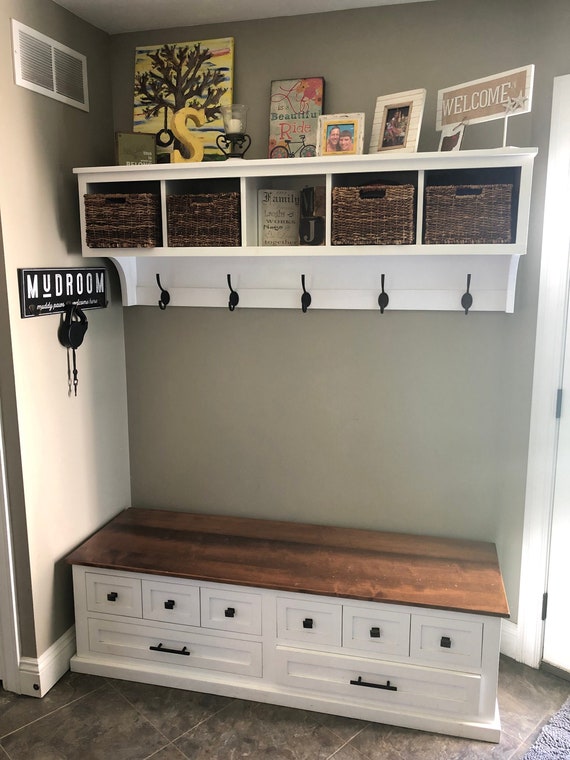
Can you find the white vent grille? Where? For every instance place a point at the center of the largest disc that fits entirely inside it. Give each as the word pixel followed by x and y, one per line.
pixel 48 67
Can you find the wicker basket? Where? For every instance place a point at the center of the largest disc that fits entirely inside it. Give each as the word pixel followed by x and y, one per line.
pixel 466 214
pixel 373 215
pixel 203 219
pixel 122 220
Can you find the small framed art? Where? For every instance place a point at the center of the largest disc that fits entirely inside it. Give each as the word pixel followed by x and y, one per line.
pixel 397 121
pixel 340 134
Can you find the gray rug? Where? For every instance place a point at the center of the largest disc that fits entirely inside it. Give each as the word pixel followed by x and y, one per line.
pixel 553 742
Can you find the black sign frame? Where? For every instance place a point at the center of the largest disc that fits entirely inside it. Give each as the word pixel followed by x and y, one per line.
pixel 50 291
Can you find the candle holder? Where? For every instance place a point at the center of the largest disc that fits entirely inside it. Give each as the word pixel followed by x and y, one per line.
pixel 235 141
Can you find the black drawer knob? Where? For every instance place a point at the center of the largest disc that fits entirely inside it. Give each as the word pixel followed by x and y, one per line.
pixel 112 596
pixel 230 612
pixel 308 623
pixel 445 642
pixel 169 604
pixel 375 632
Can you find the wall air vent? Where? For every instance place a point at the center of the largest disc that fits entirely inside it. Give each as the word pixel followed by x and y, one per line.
pixel 48 67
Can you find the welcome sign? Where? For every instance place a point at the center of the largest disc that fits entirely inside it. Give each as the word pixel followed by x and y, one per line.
pixel 485 99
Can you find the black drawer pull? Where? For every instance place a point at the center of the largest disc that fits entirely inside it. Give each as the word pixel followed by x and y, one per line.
pixel 112 596
pixel 230 612
pixel 169 604
pixel 308 623
pixel 445 642
pixel 386 686
pixel 375 633
pixel 160 648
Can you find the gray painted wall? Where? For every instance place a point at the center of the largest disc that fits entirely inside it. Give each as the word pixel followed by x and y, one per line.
pixel 407 422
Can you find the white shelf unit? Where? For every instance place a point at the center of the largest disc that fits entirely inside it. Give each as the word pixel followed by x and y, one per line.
pixel 416 276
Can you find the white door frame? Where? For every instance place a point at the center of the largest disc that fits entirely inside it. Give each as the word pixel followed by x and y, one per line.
pixel 548 366
pixel 9 630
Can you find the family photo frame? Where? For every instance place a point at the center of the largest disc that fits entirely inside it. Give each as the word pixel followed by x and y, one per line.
pixel 340 134
pixel 397 121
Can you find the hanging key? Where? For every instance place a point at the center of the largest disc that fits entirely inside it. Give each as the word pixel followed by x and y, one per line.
pixel 71 332
pixel 75 380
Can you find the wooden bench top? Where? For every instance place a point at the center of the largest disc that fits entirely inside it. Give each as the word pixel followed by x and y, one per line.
pixel 374 566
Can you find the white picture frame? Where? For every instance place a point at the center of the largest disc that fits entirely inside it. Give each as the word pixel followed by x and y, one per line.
pixel 397 121
pixel 340 134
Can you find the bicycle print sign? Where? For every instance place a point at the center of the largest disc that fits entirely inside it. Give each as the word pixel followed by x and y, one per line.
pixel 295 107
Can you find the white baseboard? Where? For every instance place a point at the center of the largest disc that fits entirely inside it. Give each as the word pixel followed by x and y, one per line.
pixel 510 645
pixel 38 675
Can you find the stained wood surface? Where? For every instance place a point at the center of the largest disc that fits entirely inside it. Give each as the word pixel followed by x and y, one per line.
pixel 395 568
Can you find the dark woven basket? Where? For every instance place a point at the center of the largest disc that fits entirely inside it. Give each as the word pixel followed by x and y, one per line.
pixel 203 219
pixel 468 214
pixel 373 215
pixel 122 220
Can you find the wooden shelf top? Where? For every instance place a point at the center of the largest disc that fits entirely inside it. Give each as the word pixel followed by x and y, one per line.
pixel 367 565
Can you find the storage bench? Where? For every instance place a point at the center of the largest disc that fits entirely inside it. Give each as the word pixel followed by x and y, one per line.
pixel 385 627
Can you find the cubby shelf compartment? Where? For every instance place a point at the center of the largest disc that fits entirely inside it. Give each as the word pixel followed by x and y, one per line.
pixel 416 276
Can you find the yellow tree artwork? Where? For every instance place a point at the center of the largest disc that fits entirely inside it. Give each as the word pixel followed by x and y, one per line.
pixel 179 90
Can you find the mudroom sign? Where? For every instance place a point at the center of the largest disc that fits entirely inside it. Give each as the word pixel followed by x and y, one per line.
pixel 51 291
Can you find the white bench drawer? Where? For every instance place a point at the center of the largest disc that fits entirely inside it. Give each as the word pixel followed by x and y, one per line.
pixel 445 642
pixel 376 631
pixel 229 610
pixel 171 602
pixel 116 594
pixel 175 647
pixel 311 622
pixel 388 685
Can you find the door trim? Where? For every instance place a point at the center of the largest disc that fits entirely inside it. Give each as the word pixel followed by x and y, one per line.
pixel 9 627
pixel 548 365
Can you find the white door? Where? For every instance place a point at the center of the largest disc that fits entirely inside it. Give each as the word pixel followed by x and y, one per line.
pixel 557 625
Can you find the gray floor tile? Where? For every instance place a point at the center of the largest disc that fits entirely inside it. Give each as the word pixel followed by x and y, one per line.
pixel 257 732
pixel 17 710
pixel 100 726
pixel 172 711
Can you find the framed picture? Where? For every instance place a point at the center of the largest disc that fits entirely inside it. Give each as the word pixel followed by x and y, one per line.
pixel 132 148
pixel 451 137
pixel 294 110
pixel 340 134
pixel 397 121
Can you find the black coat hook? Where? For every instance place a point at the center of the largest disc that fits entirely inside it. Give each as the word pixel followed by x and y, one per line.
pixel 234 297
pixel 164 299
pixel 306 297
pixel 383 299
pixel 467 298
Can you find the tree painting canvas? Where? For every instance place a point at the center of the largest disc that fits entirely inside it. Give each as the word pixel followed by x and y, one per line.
pixel 179 90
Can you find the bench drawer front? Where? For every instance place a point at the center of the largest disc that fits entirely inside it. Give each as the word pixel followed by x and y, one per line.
pixel 310 622
pixel 175 647
pixel 115 594
pixel 171 602
pixel 450 642
pixel 385 684
pixel 229 610
pixel 376 631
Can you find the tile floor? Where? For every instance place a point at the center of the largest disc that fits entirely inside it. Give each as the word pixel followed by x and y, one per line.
pixel 92 718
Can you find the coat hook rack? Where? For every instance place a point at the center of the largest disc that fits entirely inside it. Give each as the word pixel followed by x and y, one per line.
pixel 383 299
pixel 467 298
pixel 306 297
pixel 164 299
pixel 234 297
